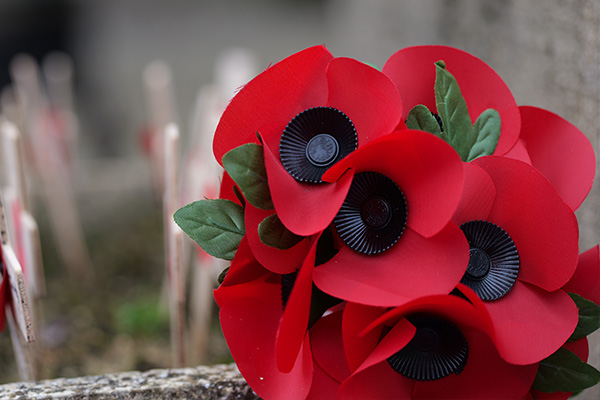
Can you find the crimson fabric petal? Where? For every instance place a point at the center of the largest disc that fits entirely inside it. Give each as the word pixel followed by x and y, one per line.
pixel 478 195
pixel 249 323
pixel 519 152
pixel 586 279
pixel 413 71
pixel 268 102
pixel 276 260
pixel 304 208
pixel 486 376
pixel 359 346
pixel 548 241
pixel 519 317
pixel 375 379
pixel 426 169
pixel 244 268
pixel 328 347
pixel 294 322
pixel 226 189
pixel 371 101
pixel 414 267
pixel 324 386
pixel 549 138
pixel 451 307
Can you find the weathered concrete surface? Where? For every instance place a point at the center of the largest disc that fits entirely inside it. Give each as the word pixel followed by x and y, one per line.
pixel 218 382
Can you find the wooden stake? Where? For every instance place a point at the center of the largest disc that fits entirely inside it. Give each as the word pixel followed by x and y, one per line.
pixel 174 243
pixel 52 167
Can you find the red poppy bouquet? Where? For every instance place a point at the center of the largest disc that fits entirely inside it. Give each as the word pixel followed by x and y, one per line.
pixel 404 233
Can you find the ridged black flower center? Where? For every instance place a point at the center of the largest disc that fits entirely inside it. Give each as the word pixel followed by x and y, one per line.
pixel 373 215
pixel 437 350
pixel 314 140
pixel 493 260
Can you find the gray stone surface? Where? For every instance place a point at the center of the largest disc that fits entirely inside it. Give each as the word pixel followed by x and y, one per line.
pixel 218 382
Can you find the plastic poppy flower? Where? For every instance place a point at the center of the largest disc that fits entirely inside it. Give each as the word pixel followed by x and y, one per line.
pixel 395 222
pixel 435 347
pixel 265 319
pixel 413 71
pixel 311 110
pixel 523 248
pixel 546 137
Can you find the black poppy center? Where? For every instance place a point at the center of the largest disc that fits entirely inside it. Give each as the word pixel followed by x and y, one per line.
pixel 437 350
pixel 493 260
pixel 426 339
pixel 479 263
pixel 322 150
pixel 376 212
pixel 314 140
pixel 373 215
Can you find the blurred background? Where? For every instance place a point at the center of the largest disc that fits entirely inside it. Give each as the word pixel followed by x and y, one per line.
pixel 109 317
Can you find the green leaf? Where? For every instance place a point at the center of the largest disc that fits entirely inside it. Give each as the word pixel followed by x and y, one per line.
pixel 589 317
pixel 222 275
pixel 272 233
pixel 564 371
pixel 419 117
pixel 246 166
pixel 487 132
pixel 216 225
pixel 453 111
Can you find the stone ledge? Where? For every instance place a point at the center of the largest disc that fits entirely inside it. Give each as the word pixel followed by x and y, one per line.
pixel 217 382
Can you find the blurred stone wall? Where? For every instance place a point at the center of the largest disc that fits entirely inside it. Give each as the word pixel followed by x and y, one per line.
pixel 547 51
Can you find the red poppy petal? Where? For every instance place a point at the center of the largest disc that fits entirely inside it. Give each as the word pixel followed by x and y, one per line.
pixel 294 321
pixel 276 260
pixel 355 320
pixel 226 189
pixel 549 138
pixel 518 316
pixel 478 195
pixel 413 71
pixel 542 226
pixel 426 169
pixel 328 347
pixel 413 267
pixel 379 382
pixel 304 208
pixel 371 101
pixel 375 379
pixel 268 102
pixel 250 325
pixel 453 308
pixel 586 279
pixel 519 152
pixel 580 347
pixel 324 386
pixel 486 376
pixel 244 268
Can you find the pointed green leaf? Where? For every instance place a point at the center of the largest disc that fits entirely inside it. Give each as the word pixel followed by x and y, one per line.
pixel 272 233
pixel 419 117
pixel 564 371
pixel 216 225
pixel 589 317
pixel 487 132
pixel 246 166
pixel 453 111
